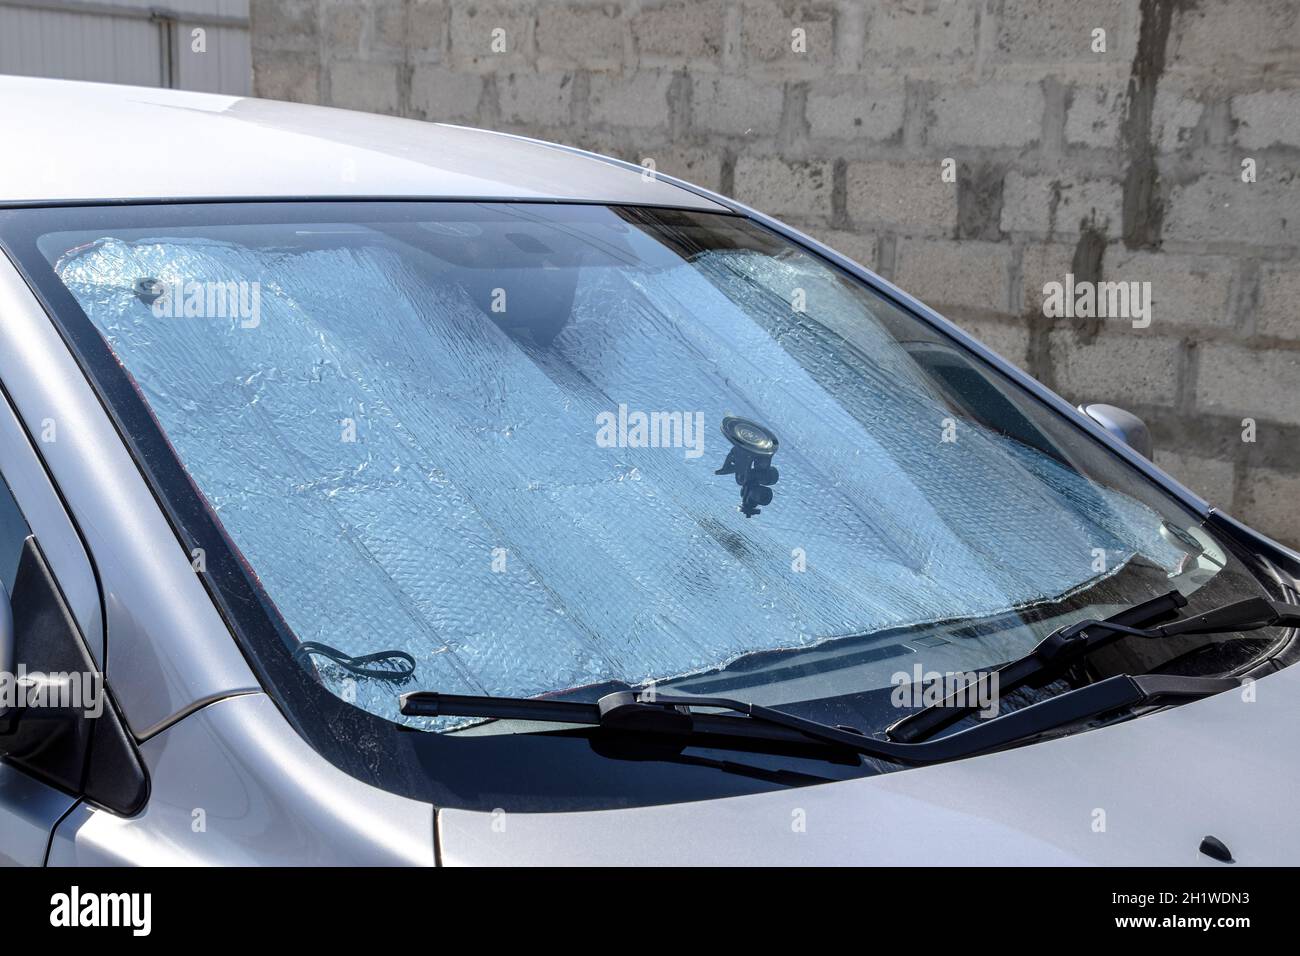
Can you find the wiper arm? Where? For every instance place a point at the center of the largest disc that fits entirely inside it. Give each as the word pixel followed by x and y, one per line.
pixel 626 710
pixel 1036 664
pixel 1067 645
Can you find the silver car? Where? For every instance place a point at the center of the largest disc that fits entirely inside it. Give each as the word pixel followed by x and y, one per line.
pixel 382 492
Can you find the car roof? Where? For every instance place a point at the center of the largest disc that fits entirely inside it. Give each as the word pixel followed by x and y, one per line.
pixel 69 141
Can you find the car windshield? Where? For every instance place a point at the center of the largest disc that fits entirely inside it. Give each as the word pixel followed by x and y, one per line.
pixel 561 449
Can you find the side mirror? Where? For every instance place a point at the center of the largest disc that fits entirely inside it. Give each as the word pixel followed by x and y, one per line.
pixel 1125 426
pixel 61 706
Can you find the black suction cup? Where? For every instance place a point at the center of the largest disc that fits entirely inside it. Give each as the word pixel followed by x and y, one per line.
pixel 149 290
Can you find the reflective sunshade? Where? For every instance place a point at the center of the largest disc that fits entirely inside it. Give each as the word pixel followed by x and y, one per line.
pixel 490 436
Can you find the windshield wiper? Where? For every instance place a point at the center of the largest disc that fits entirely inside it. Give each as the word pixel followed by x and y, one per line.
pixel 679 716
pixel 1067 645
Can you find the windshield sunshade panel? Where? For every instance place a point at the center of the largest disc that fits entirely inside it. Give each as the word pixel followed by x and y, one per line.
pixel 405 466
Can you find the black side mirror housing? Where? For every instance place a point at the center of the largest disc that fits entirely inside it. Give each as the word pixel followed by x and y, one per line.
pixel 63 726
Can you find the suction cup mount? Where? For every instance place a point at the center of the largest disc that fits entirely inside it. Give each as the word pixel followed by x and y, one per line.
pixel 750 460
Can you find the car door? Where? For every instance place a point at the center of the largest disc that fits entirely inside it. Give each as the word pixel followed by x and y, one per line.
pixel 32 519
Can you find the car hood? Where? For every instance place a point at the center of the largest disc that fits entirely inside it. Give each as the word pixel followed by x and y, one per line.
pixel 1144 792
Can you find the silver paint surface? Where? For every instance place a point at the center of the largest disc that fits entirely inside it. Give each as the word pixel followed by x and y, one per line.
pixel 232 784
pixel 94 141
pixel 1141 793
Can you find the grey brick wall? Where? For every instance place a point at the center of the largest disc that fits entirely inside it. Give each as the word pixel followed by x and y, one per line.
pixel 1122 163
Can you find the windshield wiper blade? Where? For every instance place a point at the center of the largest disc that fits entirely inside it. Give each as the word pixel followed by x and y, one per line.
pixel 1067 645
pixel 1037 663
pixel 626 710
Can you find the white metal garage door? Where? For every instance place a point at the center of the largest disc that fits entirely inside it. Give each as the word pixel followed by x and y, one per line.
pixel 191 44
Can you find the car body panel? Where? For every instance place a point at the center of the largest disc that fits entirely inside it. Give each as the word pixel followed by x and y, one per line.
pixel 1142 792
pixel 233 784
pixel 29 810
pixel 73 141
pixel 30 485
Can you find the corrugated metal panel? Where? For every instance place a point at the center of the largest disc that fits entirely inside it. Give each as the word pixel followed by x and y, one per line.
pixel 220 8
pixel 129 41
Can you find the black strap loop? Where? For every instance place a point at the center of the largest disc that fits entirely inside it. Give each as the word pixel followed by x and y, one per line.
pixel 356 665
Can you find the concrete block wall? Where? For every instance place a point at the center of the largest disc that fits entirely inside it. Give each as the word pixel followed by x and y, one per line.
pixel 1122 155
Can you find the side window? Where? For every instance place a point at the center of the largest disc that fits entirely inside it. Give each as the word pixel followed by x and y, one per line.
pixel 13 531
